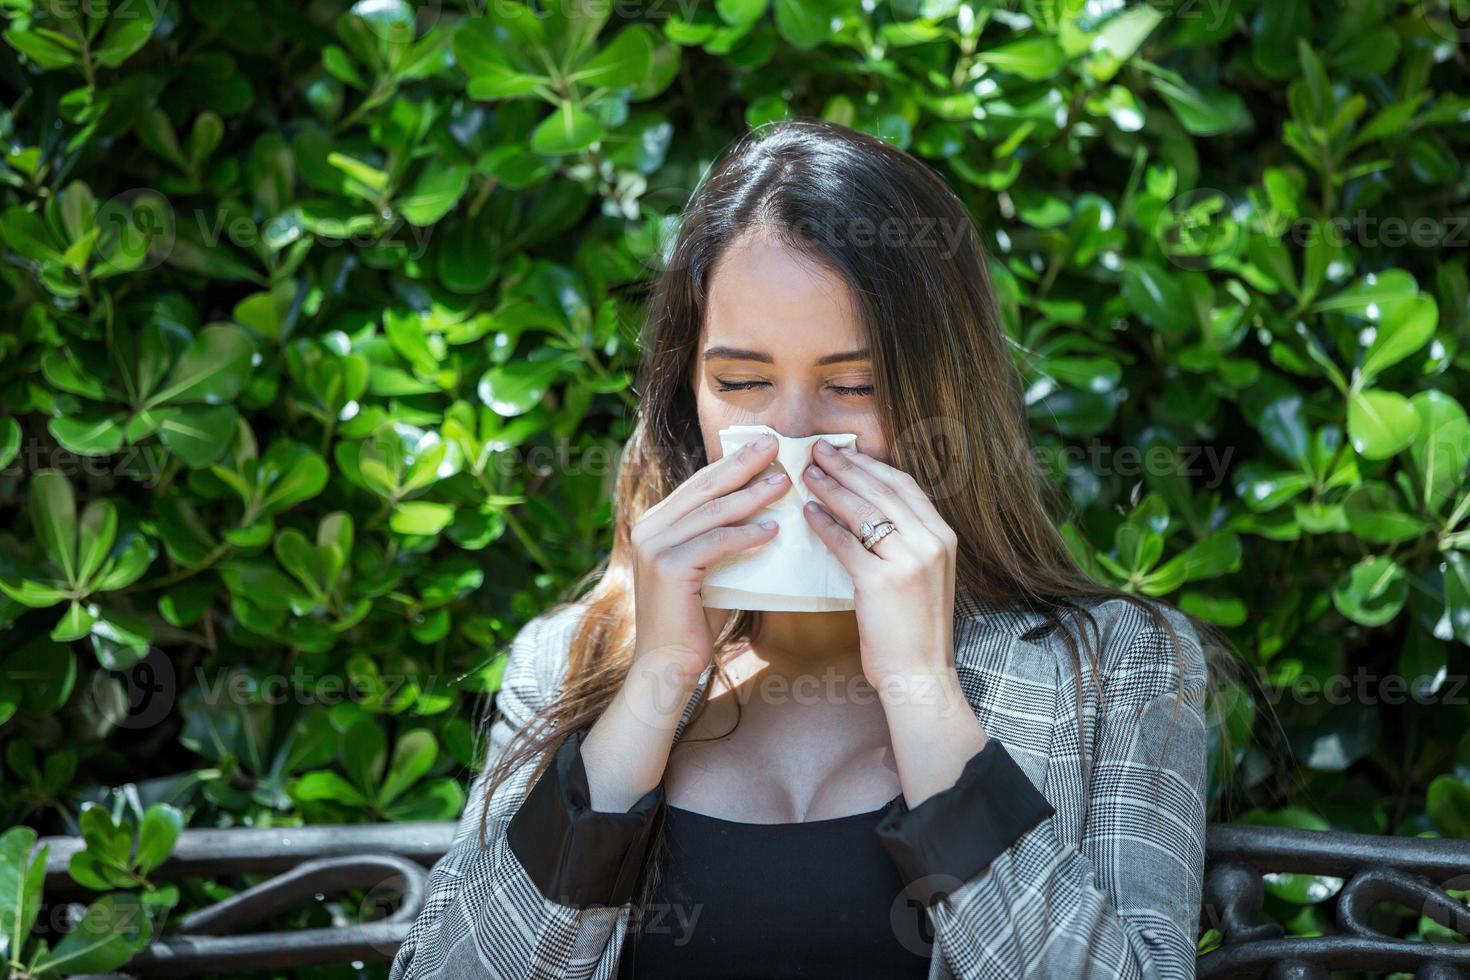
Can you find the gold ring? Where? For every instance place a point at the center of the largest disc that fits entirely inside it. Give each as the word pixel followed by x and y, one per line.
pixel 871 533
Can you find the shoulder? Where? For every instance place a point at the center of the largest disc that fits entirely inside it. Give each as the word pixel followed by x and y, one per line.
pixel 541 649
pixel 1147 647
pixel 1149 641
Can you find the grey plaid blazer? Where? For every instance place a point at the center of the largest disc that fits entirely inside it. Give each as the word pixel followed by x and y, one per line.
pixel 1112 891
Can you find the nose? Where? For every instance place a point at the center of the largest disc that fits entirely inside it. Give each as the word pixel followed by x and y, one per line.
pixel 794 418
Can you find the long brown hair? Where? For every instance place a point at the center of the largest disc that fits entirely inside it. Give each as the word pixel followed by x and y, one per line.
pixel 948 392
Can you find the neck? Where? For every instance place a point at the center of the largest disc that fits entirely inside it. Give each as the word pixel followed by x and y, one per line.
pixel 795 643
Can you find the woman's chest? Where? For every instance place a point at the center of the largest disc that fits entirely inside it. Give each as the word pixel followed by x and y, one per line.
pixel 783 763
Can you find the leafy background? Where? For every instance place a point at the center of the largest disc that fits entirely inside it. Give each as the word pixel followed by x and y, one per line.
pixel 319 323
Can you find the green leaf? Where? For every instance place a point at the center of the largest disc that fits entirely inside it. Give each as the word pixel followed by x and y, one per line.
pixel 1204 112
pixel 364 753
pixel 298 557
pixel 63 370
pixel 37 595
pixel 157 834
pixel 1449 806
pixel 623 62
pixel 1120 38
pixel 109 840
pixel 213 370
pixel 804 23
pixel 1372 592
pixel 24 231
pixel 261 584
pixel 517 387
pixel 112 930
pixel 323 785
pixel 738 13
pixel 1380 423
pixel 508 38
pixel 98 532
pixel 1456 598
pixel 1035 58
pixel 21 878
pixel 1375 514
pixel 440 799
pixel 87 435
pixel 567 130
pixel 1380 290
pixel 126 564
pixel 504 82
pixel 54 520
pixel 9 442
pixel 420 517
pixel 1213 557
pixel 413 757
pixel 126 33
pixel 357 170
pixel 340 64
pixel 46 51
pixel 197 434
pixel 438 188
pixel 1440 451
pixel 1157 298
pixel 118 639
pixel 1403 328
pixel 296 475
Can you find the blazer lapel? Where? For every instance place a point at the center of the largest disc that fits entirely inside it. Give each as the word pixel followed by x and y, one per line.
pixel 693 703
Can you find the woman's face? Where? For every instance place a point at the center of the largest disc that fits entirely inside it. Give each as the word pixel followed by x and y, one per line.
pixel 783 346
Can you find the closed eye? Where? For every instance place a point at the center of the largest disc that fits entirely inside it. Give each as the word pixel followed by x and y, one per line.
pixel 855 390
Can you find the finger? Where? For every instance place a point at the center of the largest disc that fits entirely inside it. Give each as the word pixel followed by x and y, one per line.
pixel 889 503
pixel 849 550
pixel 725 475
pixel 699 552
pixel 732 508
pixel 903 485
pixel 847 506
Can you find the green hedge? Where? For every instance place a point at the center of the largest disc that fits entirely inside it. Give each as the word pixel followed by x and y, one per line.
pixel 320 323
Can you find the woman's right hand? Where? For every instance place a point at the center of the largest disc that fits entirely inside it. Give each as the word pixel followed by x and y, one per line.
pixel 627 748
pixel 681 536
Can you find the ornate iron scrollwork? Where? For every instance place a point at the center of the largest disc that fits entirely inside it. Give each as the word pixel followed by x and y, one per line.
pixel 390 861
pixel 1410 871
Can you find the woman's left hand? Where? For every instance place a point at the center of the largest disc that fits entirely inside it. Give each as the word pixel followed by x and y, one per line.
pixel 903 589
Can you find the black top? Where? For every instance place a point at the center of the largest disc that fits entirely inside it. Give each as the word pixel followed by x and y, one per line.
pixel 819 887
pixel 739 901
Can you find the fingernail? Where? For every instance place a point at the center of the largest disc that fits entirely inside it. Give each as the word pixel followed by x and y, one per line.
pixel 768 524
pixel 764 441
pixel 815 472
pixel 776 478
pixel 825 446
pixel 850 450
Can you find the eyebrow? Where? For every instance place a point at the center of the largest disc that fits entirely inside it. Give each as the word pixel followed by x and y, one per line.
pixel 740 354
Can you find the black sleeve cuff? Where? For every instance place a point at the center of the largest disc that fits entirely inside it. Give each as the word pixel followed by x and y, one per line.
pixel 578 856
pixel 954 835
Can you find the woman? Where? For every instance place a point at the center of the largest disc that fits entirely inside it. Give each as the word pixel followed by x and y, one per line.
pixel 982 790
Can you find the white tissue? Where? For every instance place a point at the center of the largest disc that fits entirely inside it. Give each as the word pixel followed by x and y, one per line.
pixel 794 571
